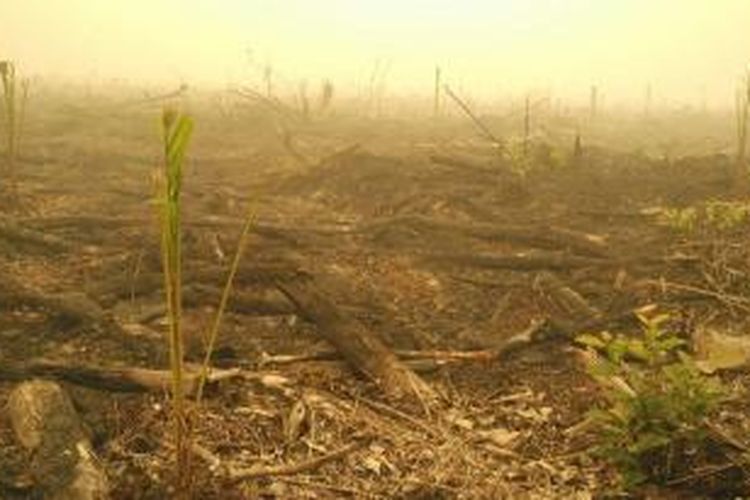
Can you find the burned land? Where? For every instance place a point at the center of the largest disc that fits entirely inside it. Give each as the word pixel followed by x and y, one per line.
pixel 403 322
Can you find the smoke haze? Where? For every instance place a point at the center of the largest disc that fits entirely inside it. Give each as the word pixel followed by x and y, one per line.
pixel 689 51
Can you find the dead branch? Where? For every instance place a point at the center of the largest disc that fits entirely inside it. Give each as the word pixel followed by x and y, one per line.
pixel 341 490
pixel 480 125
pixel 727 299
pixel 518 262
pixel 68 309
pixel 440 357
pixel 398 415
pixel 463 164
pixel 567 303
pixel 159 98
pixel 236 475
pixel 86 224
pixel 21 237
pixel 272 103
pixel 108 378
pixel 203 280
pixel 541 237
pixel 266 302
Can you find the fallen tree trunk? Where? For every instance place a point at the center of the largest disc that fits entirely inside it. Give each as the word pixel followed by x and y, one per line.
pixel 518 262
pixel 242 474
pixel 540 331
pixel 92 224
pixel 361 348
pixel 68 309
pixel 417 361
pixel 550 238
pixel 544 237
pixel 20 237
pixel 124 286
pixel 46 424
pixel 265 302
pixel 463 163
pixel 126 379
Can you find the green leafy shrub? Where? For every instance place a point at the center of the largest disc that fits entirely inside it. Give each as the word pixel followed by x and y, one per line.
pixel 657 401
pixel 726 215
pixel 683 220
pixel 711 216
pixel 523 159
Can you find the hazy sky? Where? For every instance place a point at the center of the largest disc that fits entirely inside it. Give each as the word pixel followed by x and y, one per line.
pixel 686 48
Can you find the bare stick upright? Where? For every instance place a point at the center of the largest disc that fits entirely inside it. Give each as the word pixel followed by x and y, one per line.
pixel 268 77
pixel 742 114
pixel 593 100
pixel 526 126
pixel 436 102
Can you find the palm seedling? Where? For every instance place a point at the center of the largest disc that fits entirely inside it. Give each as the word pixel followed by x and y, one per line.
pixel 177 129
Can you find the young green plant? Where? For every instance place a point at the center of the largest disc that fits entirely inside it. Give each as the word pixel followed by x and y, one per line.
pixel 177 130
pixel 657 401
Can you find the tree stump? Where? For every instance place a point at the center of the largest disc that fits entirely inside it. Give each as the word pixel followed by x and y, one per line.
pixel 46 424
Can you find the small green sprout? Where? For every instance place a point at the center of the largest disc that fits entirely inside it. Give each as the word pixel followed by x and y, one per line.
pixel 177 130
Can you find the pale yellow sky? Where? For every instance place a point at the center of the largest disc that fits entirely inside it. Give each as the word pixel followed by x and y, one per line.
pixel 686 48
